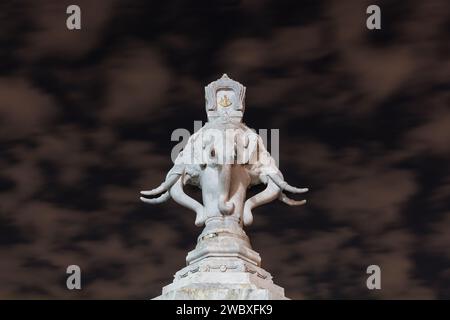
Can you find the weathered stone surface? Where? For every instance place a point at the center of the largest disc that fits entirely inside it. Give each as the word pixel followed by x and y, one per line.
pixel 222 285
pixel 223 266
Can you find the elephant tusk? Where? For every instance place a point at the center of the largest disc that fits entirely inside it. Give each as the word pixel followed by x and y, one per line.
pixel 162 198
pixel 155 191
pixel 166 185
pixel 286 186
pixel 290 201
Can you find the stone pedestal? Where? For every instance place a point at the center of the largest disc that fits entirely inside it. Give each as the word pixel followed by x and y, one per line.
pixel 223 266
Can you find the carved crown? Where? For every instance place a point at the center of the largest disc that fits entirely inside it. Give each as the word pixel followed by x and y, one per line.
pixel 225 83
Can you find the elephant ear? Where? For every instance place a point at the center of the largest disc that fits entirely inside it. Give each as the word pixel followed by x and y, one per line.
pixel 262 165
pixel 191 153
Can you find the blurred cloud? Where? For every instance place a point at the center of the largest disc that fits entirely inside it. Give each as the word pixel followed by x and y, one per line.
pixel 138 83
pixel 50 36
pixel 86 117
pixel 432 136
pixel 24 109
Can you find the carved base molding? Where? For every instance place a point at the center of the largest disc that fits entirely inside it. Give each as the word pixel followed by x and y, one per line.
pixel 222 266
pixel 222 279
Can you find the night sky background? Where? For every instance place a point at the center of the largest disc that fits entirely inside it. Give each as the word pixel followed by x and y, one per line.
pixel 86 119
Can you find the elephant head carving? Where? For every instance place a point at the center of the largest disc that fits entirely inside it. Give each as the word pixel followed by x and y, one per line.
pixel 224 158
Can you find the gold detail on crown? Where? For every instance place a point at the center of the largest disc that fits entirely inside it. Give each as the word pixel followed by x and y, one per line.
pixel 225 102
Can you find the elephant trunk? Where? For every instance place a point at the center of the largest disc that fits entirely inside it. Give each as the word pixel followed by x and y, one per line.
pixel 182 198
pixel 225 207
pixel 270 193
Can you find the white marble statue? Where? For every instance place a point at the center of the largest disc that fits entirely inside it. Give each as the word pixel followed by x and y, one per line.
pixel 224 158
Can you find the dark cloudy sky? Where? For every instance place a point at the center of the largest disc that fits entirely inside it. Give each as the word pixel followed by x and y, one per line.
pixel 86 118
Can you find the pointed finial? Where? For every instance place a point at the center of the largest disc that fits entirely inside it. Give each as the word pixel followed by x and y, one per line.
pixel 225 76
